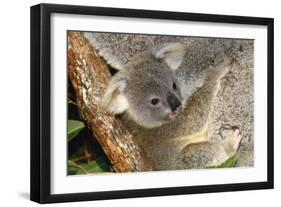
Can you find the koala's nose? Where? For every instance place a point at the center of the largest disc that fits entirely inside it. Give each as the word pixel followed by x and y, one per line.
pixel 173 101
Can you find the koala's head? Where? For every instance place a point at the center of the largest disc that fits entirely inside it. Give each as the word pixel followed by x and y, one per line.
pixel 147 88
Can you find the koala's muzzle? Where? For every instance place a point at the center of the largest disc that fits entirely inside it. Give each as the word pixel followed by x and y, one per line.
pixel 173 101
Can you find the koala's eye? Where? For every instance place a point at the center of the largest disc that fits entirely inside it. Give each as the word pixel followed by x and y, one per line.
pixel 174 86
pixel 155 101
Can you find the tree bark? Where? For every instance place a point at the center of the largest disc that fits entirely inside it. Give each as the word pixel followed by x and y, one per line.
pixel 89 76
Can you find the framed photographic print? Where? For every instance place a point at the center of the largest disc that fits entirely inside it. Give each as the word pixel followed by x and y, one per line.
pixel 132 103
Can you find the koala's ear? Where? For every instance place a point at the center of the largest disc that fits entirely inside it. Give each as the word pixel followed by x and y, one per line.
pixel 114 99
pixel 172 54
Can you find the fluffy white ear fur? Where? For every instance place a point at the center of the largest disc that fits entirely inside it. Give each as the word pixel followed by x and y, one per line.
pixel 172 54
pixel 114 100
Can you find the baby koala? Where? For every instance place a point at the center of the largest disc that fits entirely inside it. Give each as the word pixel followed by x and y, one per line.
pixel 147 87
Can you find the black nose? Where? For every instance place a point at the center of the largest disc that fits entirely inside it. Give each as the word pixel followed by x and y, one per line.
pixel 173 101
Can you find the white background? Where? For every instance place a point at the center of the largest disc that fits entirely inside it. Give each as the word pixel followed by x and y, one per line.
pixel 14 88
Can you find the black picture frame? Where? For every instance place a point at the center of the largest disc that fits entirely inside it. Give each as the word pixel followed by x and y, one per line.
pixel 41 99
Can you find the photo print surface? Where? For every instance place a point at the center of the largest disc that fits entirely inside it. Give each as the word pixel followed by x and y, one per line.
pixel 158 102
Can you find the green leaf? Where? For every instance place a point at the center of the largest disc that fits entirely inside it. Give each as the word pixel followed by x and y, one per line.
pixel 74 169
pixel 230 162
pixel 73 128
pixel 95 166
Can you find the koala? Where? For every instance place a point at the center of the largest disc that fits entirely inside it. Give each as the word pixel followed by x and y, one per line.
pixel 164 93
pixel 147 87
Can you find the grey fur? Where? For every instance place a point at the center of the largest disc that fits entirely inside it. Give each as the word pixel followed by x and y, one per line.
pixel 148 76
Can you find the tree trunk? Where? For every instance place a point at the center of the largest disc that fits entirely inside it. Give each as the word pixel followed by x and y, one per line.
pixel 89 76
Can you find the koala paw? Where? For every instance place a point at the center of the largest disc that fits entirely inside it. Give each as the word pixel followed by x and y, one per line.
pixel 235 137
pixel 232 139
